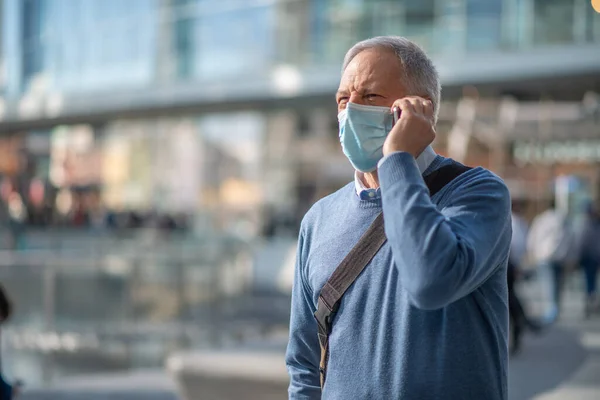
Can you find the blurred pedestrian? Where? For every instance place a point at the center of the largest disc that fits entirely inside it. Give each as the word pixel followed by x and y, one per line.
pixel 551 243
pixel 519 320
pixel 6 390
pixel 590 258
pixel 17 214
pixel 424 310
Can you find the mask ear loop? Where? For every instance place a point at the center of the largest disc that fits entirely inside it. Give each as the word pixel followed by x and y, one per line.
pixel 342 115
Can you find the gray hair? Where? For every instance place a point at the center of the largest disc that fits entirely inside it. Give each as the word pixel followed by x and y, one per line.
pixel 421 76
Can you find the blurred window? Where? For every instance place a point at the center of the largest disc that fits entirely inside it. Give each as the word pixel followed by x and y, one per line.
pixel 387 17
pixel 234 38
pixel 82 45
pixel 592 25
pixel 338 24
pixel 553 21
pixel 184 36
pixel 449 29
pixel 419 21
pixel 484 24
pixel 33 19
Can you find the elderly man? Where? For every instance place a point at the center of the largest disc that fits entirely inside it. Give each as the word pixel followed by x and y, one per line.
pixel 427 318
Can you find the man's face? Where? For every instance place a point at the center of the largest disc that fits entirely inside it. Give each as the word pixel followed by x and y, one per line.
pixel 373 78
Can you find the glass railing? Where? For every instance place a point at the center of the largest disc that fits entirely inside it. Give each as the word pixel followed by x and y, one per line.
pixel 106 303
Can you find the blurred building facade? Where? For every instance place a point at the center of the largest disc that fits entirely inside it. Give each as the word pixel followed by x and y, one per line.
pixel 226 108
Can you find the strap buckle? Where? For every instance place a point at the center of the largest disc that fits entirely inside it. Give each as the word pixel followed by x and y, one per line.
pixel 324 315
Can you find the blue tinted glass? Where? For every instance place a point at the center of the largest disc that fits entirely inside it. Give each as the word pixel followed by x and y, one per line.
pixel 235 41
pixel 484 24
pixel 553 21
pixel 31 34
pixel 341 23
pixel 97 44
pixel 449 28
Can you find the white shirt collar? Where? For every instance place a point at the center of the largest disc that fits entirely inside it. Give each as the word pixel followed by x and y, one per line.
pixel 423 162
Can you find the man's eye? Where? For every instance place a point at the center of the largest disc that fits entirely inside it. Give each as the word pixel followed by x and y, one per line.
pixel 371 96
pixel 342 100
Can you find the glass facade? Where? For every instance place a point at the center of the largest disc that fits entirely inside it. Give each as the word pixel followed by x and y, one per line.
pixel 554 22
pixel 449 26
pixel 99 44
pixel 87 45
pixel 484 24
pixel 184 43
pixel 2 62
pixel 232 39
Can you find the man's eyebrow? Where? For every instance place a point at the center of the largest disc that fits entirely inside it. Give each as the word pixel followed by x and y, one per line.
pixel 341 93
pixel 371 87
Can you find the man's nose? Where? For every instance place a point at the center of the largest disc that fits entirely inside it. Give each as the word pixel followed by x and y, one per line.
pixel 356 98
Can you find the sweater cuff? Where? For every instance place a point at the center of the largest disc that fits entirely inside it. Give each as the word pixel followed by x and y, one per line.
pixel 396 167
pixel 380 163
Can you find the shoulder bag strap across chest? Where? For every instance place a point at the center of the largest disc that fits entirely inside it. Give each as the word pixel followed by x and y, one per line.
pixel 358 258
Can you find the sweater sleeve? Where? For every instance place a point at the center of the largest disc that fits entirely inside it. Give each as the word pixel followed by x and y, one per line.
pixel 303 352
pixel 443 256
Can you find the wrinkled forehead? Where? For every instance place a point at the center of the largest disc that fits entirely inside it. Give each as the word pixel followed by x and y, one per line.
pixel 372 66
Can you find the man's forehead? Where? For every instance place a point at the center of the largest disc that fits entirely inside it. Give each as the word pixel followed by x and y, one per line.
pixel 371 66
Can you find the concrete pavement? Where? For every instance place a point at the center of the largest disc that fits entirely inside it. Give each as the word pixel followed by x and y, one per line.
pixel 583 383
pixel 563 363
pixel 140 385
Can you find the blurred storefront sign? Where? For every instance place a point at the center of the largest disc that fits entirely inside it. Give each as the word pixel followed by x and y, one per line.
pixel 240 194
pixel 232 156
pixel 75 158
pixel 151 164
pixel 553 152
pixel 129 161
pixel 572 194
pixel 175 166
pixel 9 154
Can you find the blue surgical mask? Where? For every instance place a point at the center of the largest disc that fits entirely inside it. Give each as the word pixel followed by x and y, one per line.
pixel 363 130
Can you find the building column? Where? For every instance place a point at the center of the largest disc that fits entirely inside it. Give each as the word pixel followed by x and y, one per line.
pixel 279 165
pixel 166 56
pixel 461 133
pixel 293 31
pixel 2 65
pixel 13 46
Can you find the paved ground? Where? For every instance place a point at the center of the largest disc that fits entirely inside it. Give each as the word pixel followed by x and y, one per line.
pixel 563 363
pixel 146 385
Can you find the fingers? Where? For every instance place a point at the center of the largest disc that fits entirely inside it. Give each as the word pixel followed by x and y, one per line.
pixel 405 105
pixel 415 130
pixel 414 105
pixel 428 109
pixel 417 105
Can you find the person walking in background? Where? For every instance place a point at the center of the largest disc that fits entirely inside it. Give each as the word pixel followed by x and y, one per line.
pixel 16 213
pixel 550 244
pixel 6 390
pixel 519 320
pixel 424 239
pixel 590 258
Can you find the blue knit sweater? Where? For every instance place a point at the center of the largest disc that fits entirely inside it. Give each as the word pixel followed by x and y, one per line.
pixel 428 318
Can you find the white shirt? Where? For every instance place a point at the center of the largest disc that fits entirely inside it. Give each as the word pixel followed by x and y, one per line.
pixel 549 238
pixel 518 244
pixel 423 162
